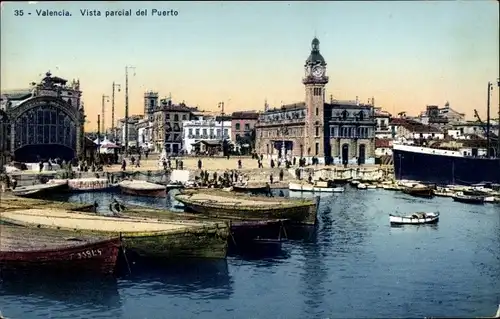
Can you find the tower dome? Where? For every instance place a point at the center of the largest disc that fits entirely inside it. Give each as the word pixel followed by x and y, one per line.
pixel 315 57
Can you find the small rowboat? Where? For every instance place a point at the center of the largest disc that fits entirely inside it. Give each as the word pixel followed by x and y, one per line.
pixel 361 186
pixel 40 190
pixel 143 188
pixel 469 199
pixel 314 188
pixel 414 219
pixel 23 249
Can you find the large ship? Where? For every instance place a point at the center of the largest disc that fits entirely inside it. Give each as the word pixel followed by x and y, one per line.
pixel 443 166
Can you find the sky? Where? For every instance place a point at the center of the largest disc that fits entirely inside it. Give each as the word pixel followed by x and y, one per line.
pixel 405 54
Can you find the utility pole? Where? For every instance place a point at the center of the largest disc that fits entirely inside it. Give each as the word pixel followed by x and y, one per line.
pixel 498 120
pixel 488 137
pixel 105 99
pixel 115 85
pixel 126 106
pixel 98 133
pixel 221 106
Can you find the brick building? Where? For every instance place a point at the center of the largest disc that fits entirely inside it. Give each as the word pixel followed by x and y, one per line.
pixel 335 132
pixel 242 130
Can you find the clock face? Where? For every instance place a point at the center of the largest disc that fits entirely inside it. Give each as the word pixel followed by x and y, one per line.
pixel 318 71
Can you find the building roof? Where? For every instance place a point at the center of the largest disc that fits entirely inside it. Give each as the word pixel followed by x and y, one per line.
pixel 288 107
pixel 208 142
pixel 245 115
pixel 414 126
pixel 175 108
pixel 20 94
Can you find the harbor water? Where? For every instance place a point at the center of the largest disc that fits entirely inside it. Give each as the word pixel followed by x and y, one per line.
pixel 355 266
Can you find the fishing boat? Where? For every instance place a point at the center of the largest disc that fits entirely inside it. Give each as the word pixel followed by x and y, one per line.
pixel 253 188
pixel 420 190
pixel 469 199
pixel 414 219
pixel 90 184
pixel 220 204
pixel 40 190
pixel 143 237
pixel 318 187
pixel 25 249
pixel 142 188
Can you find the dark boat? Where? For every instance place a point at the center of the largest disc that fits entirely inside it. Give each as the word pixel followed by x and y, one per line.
pixel 143 188
pixel 258 231
pixel 425 191
pixel 470 199
pixel 40 190
pixel 443 167
pixel 253 188
pixel 34 249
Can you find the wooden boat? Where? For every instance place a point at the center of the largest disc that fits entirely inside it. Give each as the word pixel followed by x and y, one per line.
pixel 23 249
pixel 371 186
pixel 341 180
pixel 420 190
pixel 354 182
pixel 469 199
pixel 142 188
pixel 219 204
pixel 144 237
pixel 40 190
pixel 90 184
pixel 254 188
pixel 414 219
pixel 319 187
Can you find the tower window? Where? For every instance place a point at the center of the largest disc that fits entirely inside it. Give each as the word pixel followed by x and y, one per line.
pixel 317 131
pixel 317 91
pixel 317 111
pixel 317 148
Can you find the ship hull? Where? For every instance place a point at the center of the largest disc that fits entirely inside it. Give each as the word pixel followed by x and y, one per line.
pixel 420 164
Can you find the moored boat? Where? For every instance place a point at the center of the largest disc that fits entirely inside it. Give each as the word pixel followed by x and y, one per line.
pixel 25 249
pixel 414 219
pixel 361 186
pixel 219 204
pixel 90 184
pixel 144 237
pixel 469 199
pixel 142 188
pixel 420 190
pixel 319 187
pixel 40 190
pixel 254 188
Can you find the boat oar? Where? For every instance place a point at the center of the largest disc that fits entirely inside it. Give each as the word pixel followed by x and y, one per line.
pixel 124 255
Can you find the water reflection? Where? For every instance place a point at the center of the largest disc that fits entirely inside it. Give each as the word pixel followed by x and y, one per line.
pixel 197 277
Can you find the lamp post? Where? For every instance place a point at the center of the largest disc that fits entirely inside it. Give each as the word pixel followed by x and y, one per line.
pixel 126 106
pixel 105 99
pixel 115 86
pixel 283 147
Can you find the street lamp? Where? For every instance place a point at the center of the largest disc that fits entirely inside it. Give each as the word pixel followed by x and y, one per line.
pixel 115 85
pixel 126 106
pixel 105 99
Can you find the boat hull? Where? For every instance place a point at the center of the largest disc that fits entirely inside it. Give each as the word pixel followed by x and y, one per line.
pixel 314 189
pixel 97 257
pixel 425 193
pixel 469 199
pixel 144 192
pixel 411 163
pixel 244 189
pixel 405 220
pixel 40 191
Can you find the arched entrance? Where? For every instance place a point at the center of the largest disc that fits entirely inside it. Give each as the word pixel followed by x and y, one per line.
pixel 45 127
pixel 345 153
pixel 362 154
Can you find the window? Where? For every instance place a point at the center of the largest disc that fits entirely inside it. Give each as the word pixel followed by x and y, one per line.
pixel 237 126
pixel 167 116
pixel 317 148
pixel 317 131
pixel 226 132
pixel 197 132
pixel 190 131
pixel 211 132
pixel 184 117
pixel 317 91
pixel 317 111
pixel 204 132
pixel 247 127
pixel 176 117
pixel 218 132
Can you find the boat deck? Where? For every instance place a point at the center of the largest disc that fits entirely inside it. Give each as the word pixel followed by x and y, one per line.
pixel 15 238
pixel 69 220
pixel 141 185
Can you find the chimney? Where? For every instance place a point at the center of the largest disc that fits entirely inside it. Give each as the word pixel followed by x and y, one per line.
pixel 357 100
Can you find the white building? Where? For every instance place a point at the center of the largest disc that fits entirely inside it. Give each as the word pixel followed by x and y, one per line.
pixel 383 129
pixel 204 130
pixel 145 134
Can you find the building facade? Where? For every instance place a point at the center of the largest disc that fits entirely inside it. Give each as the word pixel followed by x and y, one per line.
pixel 46 121
pixel 334 133
pixel 167 129
pixel 243 130
pixel 210 130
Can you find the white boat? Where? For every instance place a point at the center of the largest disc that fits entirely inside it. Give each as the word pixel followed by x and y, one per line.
pixel 362 186
pixel 416 218
pixel 314 188
pixel 354 182
pixel 371 186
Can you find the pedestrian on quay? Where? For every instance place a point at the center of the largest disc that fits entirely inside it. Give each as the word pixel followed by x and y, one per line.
pixel 124 165
pixel 138 163
pixel 281 175
pixel 271 179
pixel 272 163
pixel 199 164
pixel 239 164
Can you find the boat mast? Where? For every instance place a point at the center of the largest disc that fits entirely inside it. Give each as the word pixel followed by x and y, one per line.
pixel 488 139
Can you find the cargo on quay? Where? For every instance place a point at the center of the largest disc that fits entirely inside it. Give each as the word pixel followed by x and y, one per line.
pixel 443 166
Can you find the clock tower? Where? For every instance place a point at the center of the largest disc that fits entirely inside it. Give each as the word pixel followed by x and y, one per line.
pixel 315 80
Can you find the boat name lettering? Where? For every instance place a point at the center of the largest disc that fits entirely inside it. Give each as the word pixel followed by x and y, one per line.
pixel 87 254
